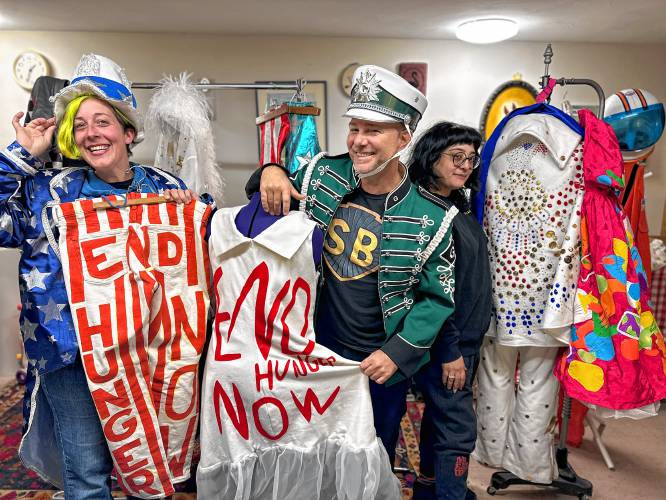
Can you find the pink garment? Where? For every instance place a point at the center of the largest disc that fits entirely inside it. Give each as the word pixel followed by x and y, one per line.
pixel 544 95
pixel 617 357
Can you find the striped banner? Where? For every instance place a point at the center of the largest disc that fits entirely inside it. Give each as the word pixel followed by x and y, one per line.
pixel 138 284
pixel 274 134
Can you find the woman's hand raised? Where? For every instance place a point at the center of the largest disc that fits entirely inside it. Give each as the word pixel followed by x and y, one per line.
pixel 36 136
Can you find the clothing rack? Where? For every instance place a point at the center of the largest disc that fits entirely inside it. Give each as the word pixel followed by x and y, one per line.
pixel 547 59
pixel 596 426
pixel 297 86
pixel 567 482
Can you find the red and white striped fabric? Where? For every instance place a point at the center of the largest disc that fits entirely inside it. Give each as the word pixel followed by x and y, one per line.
pixel 274 134
pixel 137 279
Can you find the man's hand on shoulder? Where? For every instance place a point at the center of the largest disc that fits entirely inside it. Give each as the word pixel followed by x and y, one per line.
pixel 379 367
pixel 276 191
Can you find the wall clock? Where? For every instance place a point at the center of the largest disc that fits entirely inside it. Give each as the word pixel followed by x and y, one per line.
pixel 29 66
pixel 346 78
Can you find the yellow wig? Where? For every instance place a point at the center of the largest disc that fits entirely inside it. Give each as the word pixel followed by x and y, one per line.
pixel 65 137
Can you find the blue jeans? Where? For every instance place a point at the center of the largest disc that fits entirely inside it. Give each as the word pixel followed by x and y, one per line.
pixel 448 434
pixel 85 457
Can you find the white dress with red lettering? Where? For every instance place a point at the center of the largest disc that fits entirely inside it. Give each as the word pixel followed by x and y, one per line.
pixel 281 416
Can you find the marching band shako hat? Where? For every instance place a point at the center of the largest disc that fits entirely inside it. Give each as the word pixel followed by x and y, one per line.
pixel 100 77
pixel 379 95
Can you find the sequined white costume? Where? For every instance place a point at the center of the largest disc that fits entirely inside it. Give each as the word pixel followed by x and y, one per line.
pixel 532 215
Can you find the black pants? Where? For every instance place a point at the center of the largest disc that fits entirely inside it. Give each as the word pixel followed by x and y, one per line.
pixel 448 433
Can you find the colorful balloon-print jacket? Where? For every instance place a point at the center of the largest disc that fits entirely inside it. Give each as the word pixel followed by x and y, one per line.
pixel 617 357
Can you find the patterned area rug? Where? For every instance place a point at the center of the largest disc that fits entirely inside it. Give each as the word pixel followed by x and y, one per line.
pixel 12 474
pixel 17 482
pixel 407 452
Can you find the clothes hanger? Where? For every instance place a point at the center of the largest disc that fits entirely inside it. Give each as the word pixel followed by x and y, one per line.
pixel 108 203
pixel 287 108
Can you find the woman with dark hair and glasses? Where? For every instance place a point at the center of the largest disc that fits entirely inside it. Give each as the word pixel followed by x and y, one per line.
pixel 445 163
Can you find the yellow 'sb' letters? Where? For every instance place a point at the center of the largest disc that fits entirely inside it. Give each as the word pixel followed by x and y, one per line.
pixel 366 249
pixel 339 244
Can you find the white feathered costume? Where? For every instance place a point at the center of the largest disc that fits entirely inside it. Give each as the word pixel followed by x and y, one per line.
pixel 179 113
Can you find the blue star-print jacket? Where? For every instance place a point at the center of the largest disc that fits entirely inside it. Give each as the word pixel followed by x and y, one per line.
pixel 27 196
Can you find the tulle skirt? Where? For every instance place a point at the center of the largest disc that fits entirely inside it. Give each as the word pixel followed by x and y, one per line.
pixel 333 469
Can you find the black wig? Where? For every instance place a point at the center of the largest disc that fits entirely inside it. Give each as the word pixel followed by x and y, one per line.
pixel 429 148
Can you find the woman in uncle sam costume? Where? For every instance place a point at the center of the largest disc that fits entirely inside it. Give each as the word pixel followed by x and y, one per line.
pixel 388 253
pixel 98 123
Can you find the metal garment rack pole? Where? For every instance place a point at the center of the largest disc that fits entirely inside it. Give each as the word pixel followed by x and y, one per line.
pixel 297 86
pixel 205 86
pixel 591 83
pixel 547 59
pixel 596 426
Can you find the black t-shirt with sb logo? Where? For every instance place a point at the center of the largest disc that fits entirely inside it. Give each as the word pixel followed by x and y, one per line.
pixel 349 310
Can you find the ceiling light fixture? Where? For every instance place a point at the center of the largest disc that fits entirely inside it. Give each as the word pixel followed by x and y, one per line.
pixel 487 30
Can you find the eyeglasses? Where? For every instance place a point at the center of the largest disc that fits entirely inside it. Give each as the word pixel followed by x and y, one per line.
pixel 459 159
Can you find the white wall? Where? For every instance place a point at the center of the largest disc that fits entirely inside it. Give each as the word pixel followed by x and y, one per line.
pixel 461 77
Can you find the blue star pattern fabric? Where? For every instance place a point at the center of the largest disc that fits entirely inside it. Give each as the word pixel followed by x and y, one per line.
pixel 22 159
pixel 303 143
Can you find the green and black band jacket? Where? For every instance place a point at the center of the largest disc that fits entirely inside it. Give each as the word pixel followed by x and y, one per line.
pixel 417 258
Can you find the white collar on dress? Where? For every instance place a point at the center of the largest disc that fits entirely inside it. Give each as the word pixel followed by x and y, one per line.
pixel 556 135
pixel 284 237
